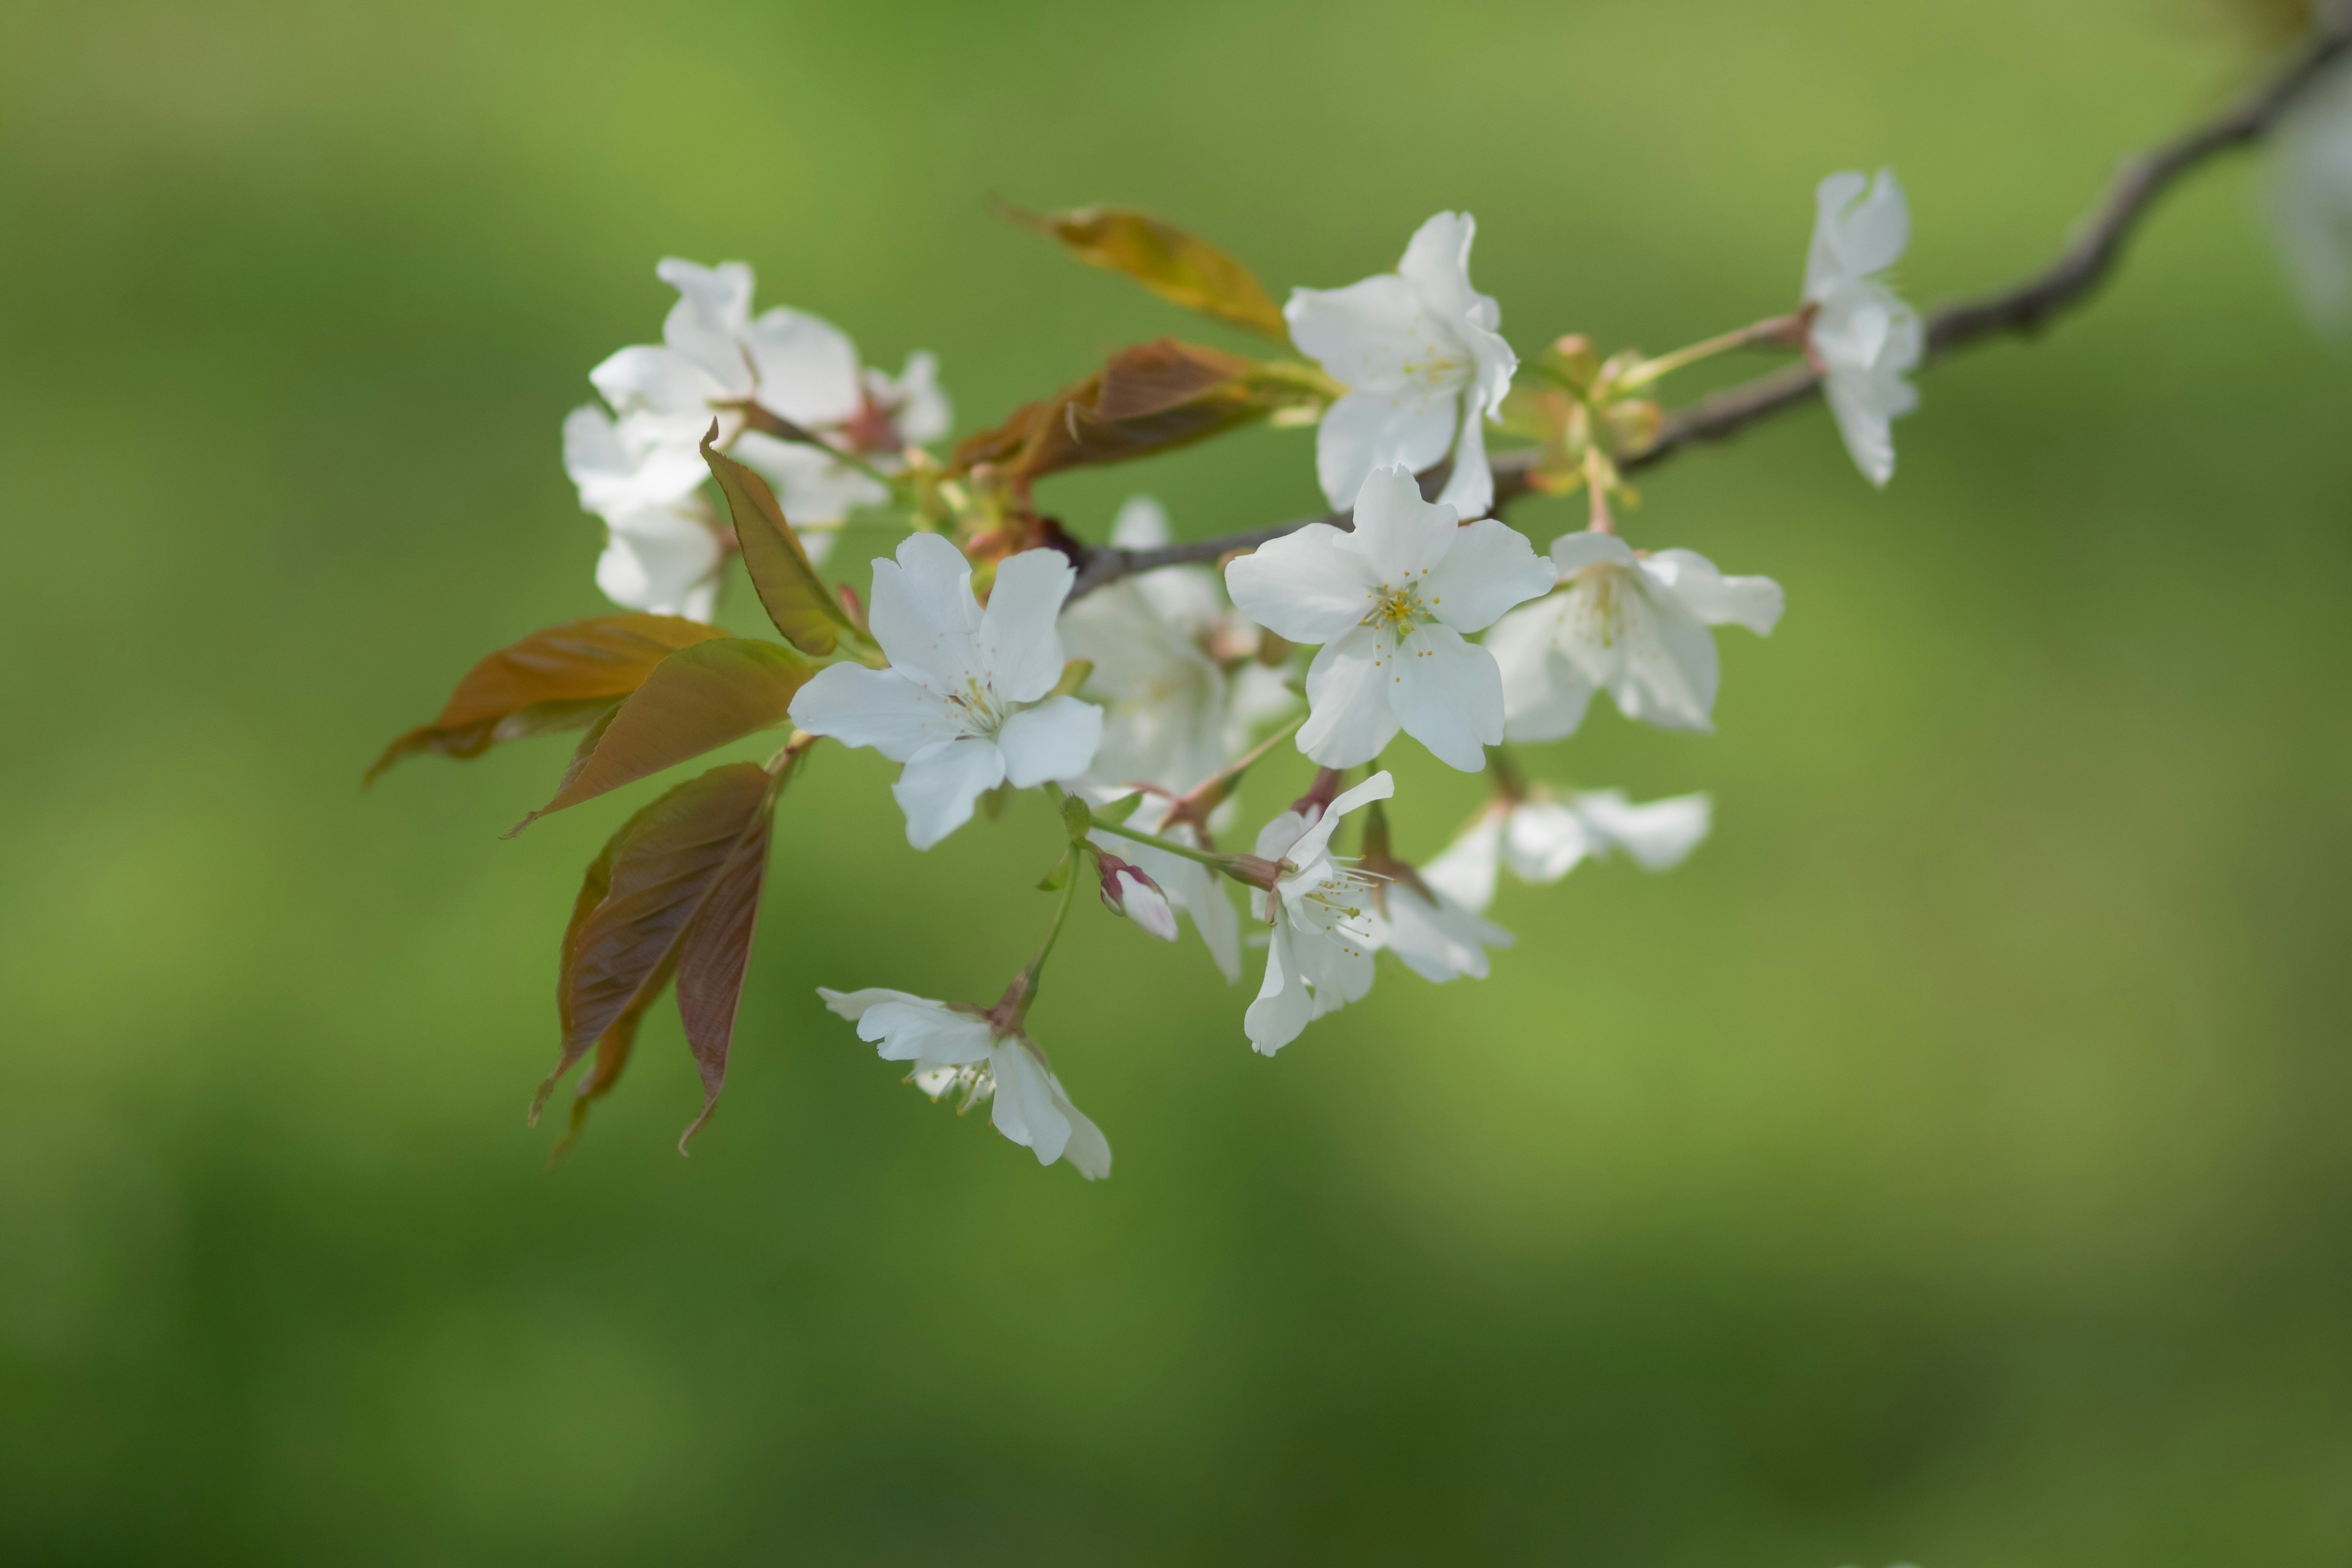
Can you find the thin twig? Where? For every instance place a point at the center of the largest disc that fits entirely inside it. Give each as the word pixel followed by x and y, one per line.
pixel 2025 307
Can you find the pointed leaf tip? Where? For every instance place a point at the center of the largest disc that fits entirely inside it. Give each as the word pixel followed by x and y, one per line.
pixel 1173 263
pixel 789 590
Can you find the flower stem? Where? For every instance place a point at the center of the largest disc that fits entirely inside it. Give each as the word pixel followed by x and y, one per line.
pixel 1027 983
pixel 1219 862
pixel 1777 330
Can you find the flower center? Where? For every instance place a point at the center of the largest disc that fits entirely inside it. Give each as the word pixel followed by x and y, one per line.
pixel 983 710
pixel 1397 609
pixel 1332 899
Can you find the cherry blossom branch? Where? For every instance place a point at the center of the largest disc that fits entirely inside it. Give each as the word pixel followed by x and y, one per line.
pixel 2024 308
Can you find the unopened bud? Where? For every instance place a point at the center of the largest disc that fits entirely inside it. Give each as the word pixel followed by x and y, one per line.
pixel 1126 890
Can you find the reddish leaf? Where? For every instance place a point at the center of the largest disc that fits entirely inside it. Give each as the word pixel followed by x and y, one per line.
pixel 1152 398
pixel 1173 263
pixel 789 588
pixel 560 678
pixel 697 698
pixel 711 961
pixel 635 909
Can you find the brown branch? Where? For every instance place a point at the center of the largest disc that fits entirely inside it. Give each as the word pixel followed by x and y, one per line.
pixel 2025 307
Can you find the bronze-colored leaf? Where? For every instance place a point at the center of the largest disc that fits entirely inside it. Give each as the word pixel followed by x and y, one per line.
pixel 1173 263
pixel 712 957
pixel 1155 397
pixel 789 588
pixel 636 905
pixel 561 679
pixel 697 698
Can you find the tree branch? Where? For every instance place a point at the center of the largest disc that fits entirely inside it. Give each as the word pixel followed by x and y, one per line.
pixel 2024 308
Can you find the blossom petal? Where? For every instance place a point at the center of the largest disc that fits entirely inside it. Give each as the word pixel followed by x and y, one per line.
pixel 852 1005
pixel 1312 844
pixel 1349 719
pixel 1855 236
pixel 659 559
pixel 938 787
pixel 877 707
pixel 1543 841
pixel 1088 1151
pixel 923 614
pixel 1669 669
pixel 1448 695
pixel 712 303
pixel 1545 693
pixel 807 368
pixel 1025 1111
pixel 1572 552
pixel 1307 586
pixel 1437 264
pixel 1411 426
pixel 1054 740
pixel 1470 488
pixel 920 1031
pixel 658 381
pixel 812 487
pixel 1363 335
pixel 1283 1006
pixel 1017 638
pixel 919 408
pixel 1659 835
pixel 1403 536
pixel 1467 871
pixel 1489 568
pixel 1752 602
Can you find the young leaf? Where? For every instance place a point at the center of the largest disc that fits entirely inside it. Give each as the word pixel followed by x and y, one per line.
pixel 1152 398
pixel 1175 264
pixel 1117 811
pixel 639 899
pixel 712 957
pixel 561 679
pixel 697 698
pixel 794 594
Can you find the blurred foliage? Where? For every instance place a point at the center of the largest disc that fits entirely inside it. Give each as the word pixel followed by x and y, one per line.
pixel 1946 1165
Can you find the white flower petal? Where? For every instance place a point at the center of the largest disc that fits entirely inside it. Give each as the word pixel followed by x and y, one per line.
pixel 1752 602
pixel 1026 1109
pixel 1545 693
pixel 1017 639
pixel 1410 426
pixel 658 381
pixel 1855 236
pixel 1448 695
pixel 1054 740
pixel 1543 841
pixel 938 788
pixel 852 1005
pixel 807 368
pixel 877 708
pixel 1467 871
pixel 921 409
pixel 1307 586
pixel 1311 845
pixel 702 327
pixel 812 487
pixel 1088 1151
pixel 1363 335
pixel 923 614
pixel 1283 1006
pixel 919 1030
pixel 1470 488
pixel 1572 552
pixel 659 559
pixel 1659 835
pixel 1489 568
pixel 1403 536
pixel 1348 719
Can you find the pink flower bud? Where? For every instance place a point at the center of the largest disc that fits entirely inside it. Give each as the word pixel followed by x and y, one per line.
pixel 1126 890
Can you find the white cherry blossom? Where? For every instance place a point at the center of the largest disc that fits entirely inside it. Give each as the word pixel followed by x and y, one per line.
pixel 1864 339
pixel 955 1047
pixel 663 557
pixel 1168 720
pixel 1188 885
pixel 1390 603
pixel 965 703
pixel 1419 353
pixel 1542 838
pixel 1320 958
pixel 1633 625
pixel 1431 933
pixel 2311 200
pixel 715 358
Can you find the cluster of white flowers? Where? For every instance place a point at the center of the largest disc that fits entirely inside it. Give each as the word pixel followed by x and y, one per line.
pixel 638 463
pixel 1137 706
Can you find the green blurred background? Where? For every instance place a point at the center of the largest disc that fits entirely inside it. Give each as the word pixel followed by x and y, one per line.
pixel 1948 1165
